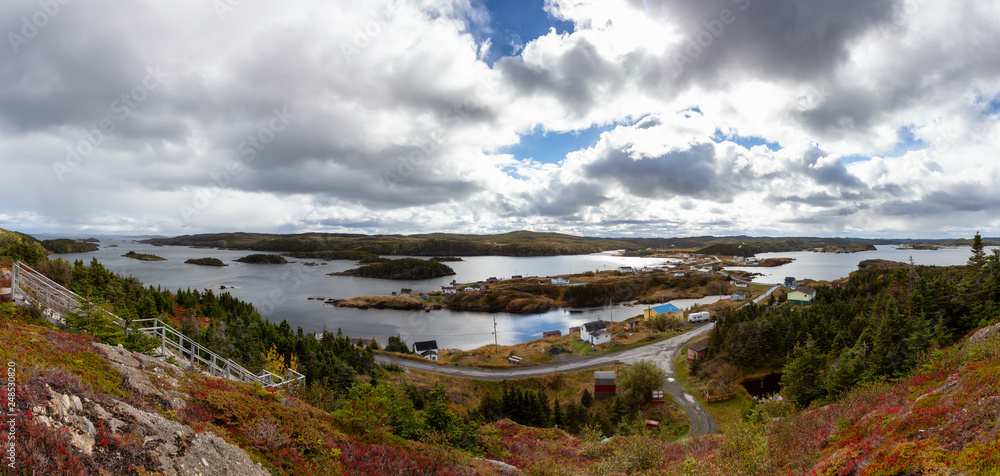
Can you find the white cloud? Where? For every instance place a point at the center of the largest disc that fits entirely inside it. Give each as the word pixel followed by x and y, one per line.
pixel 398 119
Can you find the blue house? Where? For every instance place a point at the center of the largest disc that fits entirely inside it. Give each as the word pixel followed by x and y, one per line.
pixel 790 282
pixel 663 309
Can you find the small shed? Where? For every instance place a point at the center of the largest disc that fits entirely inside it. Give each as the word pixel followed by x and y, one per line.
pixel 738 296
pixel 658 397
pixel 632 324
pixel 555 333
pixel 600 336
pixel 427 349
pixel 405 291
pixel 652 424
pixel 604 384
pixel 574 330
pixel 702 316
pixel 789 281
pixel 697 350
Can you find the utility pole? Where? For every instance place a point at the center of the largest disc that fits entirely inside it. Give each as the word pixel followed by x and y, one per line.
pixel 496 345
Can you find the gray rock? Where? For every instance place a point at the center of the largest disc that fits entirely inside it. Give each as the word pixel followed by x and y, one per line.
pixel 101 412
pixel 225 458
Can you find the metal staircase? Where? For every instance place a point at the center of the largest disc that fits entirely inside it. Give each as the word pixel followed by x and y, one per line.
pixel 30 286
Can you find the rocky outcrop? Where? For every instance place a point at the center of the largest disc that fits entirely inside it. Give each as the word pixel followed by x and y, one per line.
pixel 157 443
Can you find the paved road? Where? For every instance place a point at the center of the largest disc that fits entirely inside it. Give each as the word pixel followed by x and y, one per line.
pixel 767 293
pixel 663 353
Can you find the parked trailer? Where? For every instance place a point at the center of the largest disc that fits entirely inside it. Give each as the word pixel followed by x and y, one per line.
pixel 698 316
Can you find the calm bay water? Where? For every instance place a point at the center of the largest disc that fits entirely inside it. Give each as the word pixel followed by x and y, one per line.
pixel 281 292
pixel 830 266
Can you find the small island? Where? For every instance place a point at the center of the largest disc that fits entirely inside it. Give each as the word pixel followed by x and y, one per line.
pixel 446 258
pixel 206 262
pixel 774 262
pixel 143 256
pixel 405 268
pixel 918 246
pixel 66 245
pixel 403 303
pixel 848 248
pixel 263 258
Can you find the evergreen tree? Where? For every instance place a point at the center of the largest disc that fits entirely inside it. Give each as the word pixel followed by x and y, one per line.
pixel 557 415
pixel 978 258
pixel 800 379
pixel 586 399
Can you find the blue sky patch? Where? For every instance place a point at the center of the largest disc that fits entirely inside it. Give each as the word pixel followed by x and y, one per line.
pixel 850 159
pixel 745 141
pixel 551 147
pixel 988 106
pixel 513 24
pixel 907 142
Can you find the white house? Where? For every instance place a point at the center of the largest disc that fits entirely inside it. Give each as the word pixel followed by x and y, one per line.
pixel 600 337
pixel 448 290
pixel 560 281
pixel 592 331
pixel 626 269
pixel 741 284
pixel 698 316
pixel 427 349
pixel 679 274
pixel 470 289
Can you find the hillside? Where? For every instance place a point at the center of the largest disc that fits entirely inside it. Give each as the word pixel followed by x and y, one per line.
pixel 14 245
pixel 96 407
pixel 315 245
pixel 65 245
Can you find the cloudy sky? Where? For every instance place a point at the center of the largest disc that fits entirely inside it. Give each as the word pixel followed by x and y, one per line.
pixel 594 117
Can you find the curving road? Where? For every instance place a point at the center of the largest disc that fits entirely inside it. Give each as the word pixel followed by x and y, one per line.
pixel 663 353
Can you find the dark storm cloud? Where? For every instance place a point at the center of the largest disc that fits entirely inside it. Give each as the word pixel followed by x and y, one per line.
pixel 831 172
pixel 559 200
pixel 780 39
pixel 689 173
pixel 576 77
pixel 969 198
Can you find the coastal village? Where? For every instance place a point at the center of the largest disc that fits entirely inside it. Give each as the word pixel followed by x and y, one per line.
pixel 687 275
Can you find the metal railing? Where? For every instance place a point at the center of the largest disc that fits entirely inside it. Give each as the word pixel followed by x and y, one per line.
pixel 28 285
pixel 209 361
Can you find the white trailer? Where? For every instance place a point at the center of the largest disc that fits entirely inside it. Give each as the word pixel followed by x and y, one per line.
pixel 698 316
